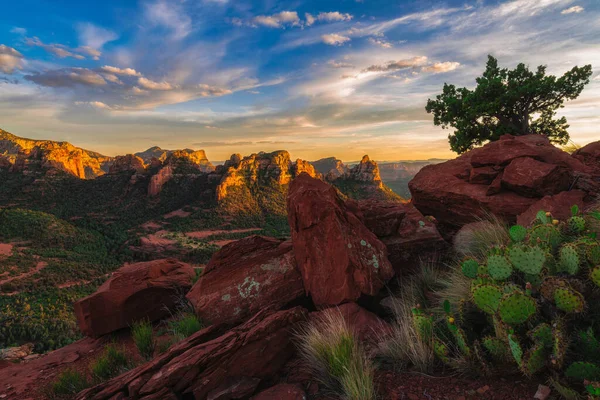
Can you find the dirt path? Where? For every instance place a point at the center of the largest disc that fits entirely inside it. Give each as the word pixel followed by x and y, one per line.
pixel 39 266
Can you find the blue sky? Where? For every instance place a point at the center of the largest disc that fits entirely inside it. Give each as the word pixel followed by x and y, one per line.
pixel 317 78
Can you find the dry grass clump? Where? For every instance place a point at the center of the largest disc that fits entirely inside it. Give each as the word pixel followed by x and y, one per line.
pixel 332 352
pixel 571 147
pixel 476 239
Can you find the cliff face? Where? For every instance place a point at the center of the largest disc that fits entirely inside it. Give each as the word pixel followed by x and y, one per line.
pixel 29 154
pixel 331 168
pixel 196 157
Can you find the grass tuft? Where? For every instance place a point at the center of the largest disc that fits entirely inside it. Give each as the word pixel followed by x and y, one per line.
pixel 111 363
pixel 68 383
pixel 330 349
pixel 185 325
pixel 478 238
pixel 143 337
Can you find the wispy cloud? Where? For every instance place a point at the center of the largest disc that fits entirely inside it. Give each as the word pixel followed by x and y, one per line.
pixel 67 77
pixel 573 10
pixel 171 16
pixel 279 20
pixel 120 71
pixel 10 59
pixel 334 39
pixel 93 38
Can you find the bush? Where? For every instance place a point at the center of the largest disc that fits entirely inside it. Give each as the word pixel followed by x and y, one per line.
pixel 330 349
pixel 185 325
pixel 143 337
pixel 111 363
pixel 532 304
pixel 68 383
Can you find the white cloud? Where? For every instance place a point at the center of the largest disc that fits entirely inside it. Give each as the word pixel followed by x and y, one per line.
pixel 10 59
pixel 112 78
pixel 309 19
pixel 94 104
pixel 397 65
pixel 573 10
pixel 62 51
pixel 334 39
pixel 120 71
pixel 171 16
pixel 380 42
pixel 441 67
pixel 339 64
pixel 334 16
pixel 152 85
pixel 94 37
pixel 279 20
pixel 18 30
pixel 67 77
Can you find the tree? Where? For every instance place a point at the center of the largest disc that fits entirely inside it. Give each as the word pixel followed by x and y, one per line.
pixel 516 102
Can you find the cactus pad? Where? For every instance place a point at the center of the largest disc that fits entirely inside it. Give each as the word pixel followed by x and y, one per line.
pixel 486 297
pixel 581 371
pixel 441 350
pixel 566 392
pixel 496 347
pixel 542 334
pixel 576 224
pixel 516 308
pixel 515 348
pixel 469 268
pixel 549 285
pixel 542 217
pixel 529 260
pixel 560 345
pixel 423 324
pixel 595 275
pixel 548 234
pixel 593 253
pixel 569 300
pixel 499 267
pixel 569 259
pixel 517 233
pixel 534 360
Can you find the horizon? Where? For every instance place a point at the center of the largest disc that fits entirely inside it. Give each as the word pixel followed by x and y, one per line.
pixel 317 79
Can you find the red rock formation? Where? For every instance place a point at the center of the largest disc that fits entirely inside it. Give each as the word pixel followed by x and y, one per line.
pixel 331 168
pixel 283 391
pixel 590 156
pixel 301 166
pixel 127 163
pixel 244 277
pixel 134 292
pixel 559 205
pixel 529 167
pixel 205 363
pixel 339 258
pixel 409 237
pixel 158 180
pixel 365 171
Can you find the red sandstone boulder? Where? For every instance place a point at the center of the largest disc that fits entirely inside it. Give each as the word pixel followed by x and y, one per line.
pixel 559 205
pixel 410 238
pixel 529 167
pixel 134 292
pixel 245 277
pixel 283 391
pixel 532 178
pixel 203 364
pixel 127 163
pixel 590 156
pixel 338 256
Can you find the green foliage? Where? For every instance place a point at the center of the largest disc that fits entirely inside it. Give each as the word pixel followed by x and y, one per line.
pixel 185 325
pixel 569 259
pixel 516 308
pixel 499 267
pixel 506 102
pixel 527 259
pixel 112 362
pixel 581 371
pixel 68 383
pixel 143 337
pixel 487 297
pixel 517 233
pixel 569 300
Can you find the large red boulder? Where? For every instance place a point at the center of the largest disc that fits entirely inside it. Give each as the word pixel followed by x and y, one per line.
pixel 590 156
pixel 338 256
pixel 559 205
pixel 146 290
pixel 505 178
pixel 410 238
pixel 245 277
pixel 202 365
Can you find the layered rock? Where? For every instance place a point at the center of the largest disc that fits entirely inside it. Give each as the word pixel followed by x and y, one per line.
pixel 282 391
pixel 244 277
pixel 158 180
pixel 504 178
pixel 146 290
pixel 338 256
pixel 209 362
pixel 331 168
pixel 590 156
pixel 195 157
pixel 410 238
pixel 50 155
pixel 127 163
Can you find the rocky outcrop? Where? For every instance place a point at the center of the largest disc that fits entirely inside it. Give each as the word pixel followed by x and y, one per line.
pixel 127 163
pixel 338 257
pixel 365 171
pixel 196 158
pixel 559 205
pixel 158 180
pixel 282 391
pixel 504 178
pixel 244 277
pixel 301 166
pixel 590 156
pixel 208 362
pixel 146 290
pixel 50 155
pixel 331 168
pixel 410 238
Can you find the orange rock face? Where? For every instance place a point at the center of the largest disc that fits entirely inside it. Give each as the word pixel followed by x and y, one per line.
pixel 135 292
pixel 339 258
pixel 127 163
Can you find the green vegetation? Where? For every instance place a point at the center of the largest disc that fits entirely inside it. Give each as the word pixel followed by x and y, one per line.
pixel 516 102
pixel 184 325
pixel 331 350
pixel 68 383
pixel 531 304
pixel 112 362
pixel 143 337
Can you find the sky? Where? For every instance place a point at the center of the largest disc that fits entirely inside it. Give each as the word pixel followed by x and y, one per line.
pixel 318 78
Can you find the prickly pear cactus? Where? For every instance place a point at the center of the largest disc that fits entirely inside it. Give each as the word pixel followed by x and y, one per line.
pixel 542 334
pixel 534 360
pixel 576 224
pixel 593 254
pixel 495 347
pixel 569 300
pixel 569 259
pixel 487 297
pixel 516 308
pixel 527 259
pixel 515 348
pixel 517 233
pixel 499 267
pixel 470 267
pixel 581 371
pixel 547 234
pixel 423 324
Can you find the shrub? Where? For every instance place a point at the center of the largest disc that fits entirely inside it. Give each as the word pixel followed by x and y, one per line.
pixel 185 325
pixel 68 383
pixel 111 363
pixel 532 305
pixel 143 337
pixel 330 349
